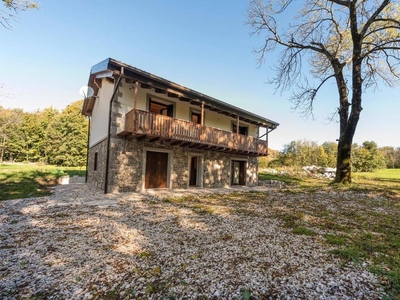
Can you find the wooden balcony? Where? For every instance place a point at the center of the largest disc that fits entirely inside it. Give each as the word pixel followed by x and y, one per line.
pixel 145 125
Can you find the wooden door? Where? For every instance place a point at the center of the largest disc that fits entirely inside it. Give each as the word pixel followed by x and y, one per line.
pixel 238 172
pixel 156 170
pixel 193 171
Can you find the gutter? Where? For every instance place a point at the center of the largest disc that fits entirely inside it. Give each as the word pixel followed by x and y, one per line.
pixel 109 129
pixel 87 150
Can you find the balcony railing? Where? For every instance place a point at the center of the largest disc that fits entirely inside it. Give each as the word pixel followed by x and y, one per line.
pixel 140 123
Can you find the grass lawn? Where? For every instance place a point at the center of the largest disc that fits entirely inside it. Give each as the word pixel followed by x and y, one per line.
pixel 381 174
pixel 31 180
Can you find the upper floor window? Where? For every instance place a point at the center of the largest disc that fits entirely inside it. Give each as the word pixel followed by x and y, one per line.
pixel 196 117
pixel 242 129
pixel 161 108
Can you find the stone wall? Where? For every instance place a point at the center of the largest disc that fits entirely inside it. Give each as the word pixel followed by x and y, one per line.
pixel 252 171
pixel 96 178
pixel 126 166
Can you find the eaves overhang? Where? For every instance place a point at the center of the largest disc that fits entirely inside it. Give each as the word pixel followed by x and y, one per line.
pixel 111 67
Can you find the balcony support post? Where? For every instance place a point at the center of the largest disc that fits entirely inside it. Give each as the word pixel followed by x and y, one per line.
pixel 136 95
pixel 237 125
pixel 135 106
pixel 202 114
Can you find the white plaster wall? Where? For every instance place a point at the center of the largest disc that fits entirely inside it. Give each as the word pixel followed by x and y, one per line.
pixel 253 130
pixel 128 96
pixel 217 120
pixel 99 122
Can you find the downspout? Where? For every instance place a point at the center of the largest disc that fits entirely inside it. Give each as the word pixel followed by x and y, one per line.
pixel 87 150
pixel 109 130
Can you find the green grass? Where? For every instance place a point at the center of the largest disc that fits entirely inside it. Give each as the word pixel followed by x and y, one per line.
pixel 386 181
pixel 381 174
pixel 31 180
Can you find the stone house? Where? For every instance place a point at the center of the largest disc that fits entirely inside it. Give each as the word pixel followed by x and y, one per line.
pixel 147 132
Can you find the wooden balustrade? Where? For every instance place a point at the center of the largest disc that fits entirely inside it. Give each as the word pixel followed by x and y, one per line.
pixel 143 123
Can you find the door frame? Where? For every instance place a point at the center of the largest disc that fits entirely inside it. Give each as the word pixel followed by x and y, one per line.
pixel 200 164
pixel 246 164
pixel 169 165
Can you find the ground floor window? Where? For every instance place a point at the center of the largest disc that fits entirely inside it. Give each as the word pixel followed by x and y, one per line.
pixel 95 161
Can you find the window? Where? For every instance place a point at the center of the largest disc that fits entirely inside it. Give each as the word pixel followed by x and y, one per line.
pixel 196 117
pixel 161 108
pixel 95 161
pixel 242 129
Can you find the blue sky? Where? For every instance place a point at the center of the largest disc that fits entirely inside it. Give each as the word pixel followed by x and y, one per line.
pixel 203 45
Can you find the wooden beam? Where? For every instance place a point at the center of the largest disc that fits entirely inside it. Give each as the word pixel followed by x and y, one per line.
pixel 172 95
pixel 212 148
pixel 195 146
pixel 197 103
pixel 110 80
pixel 129 80
pixel 124 133
pixel 154 139
pixel 145 86
pixel 98 82
pixel 141 137
pixel 186 144
pixel 129 137
pixel 237 125
pixel 176 143
pixel 184 99
pixel 160 91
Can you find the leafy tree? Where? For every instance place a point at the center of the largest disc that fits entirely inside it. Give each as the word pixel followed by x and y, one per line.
pixel 355 43
pixel 68 137
pixel 46 136
pixel 9 120
pixel 263 162
pixel 392 156
pixel 330 149
pixel 305 153
pixel 31 137
pixel 14 6
pixel 368 158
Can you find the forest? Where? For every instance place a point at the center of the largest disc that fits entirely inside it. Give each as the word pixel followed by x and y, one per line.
pixel 45 136
pixel 367 157
pixel 60 138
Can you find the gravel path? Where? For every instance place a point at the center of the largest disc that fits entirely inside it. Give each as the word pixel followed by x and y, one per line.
pixel 81 244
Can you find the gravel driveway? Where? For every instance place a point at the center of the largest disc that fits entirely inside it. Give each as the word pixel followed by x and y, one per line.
pixel 82 244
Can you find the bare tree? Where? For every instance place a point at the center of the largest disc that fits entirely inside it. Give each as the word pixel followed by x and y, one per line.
pixel 355 43
pixel 12 9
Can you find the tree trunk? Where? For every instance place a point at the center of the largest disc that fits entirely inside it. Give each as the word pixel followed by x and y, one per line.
pixel 343 163
pixel 343 159
pixel 348 127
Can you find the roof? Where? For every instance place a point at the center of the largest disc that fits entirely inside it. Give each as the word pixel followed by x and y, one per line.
pixel 111 67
